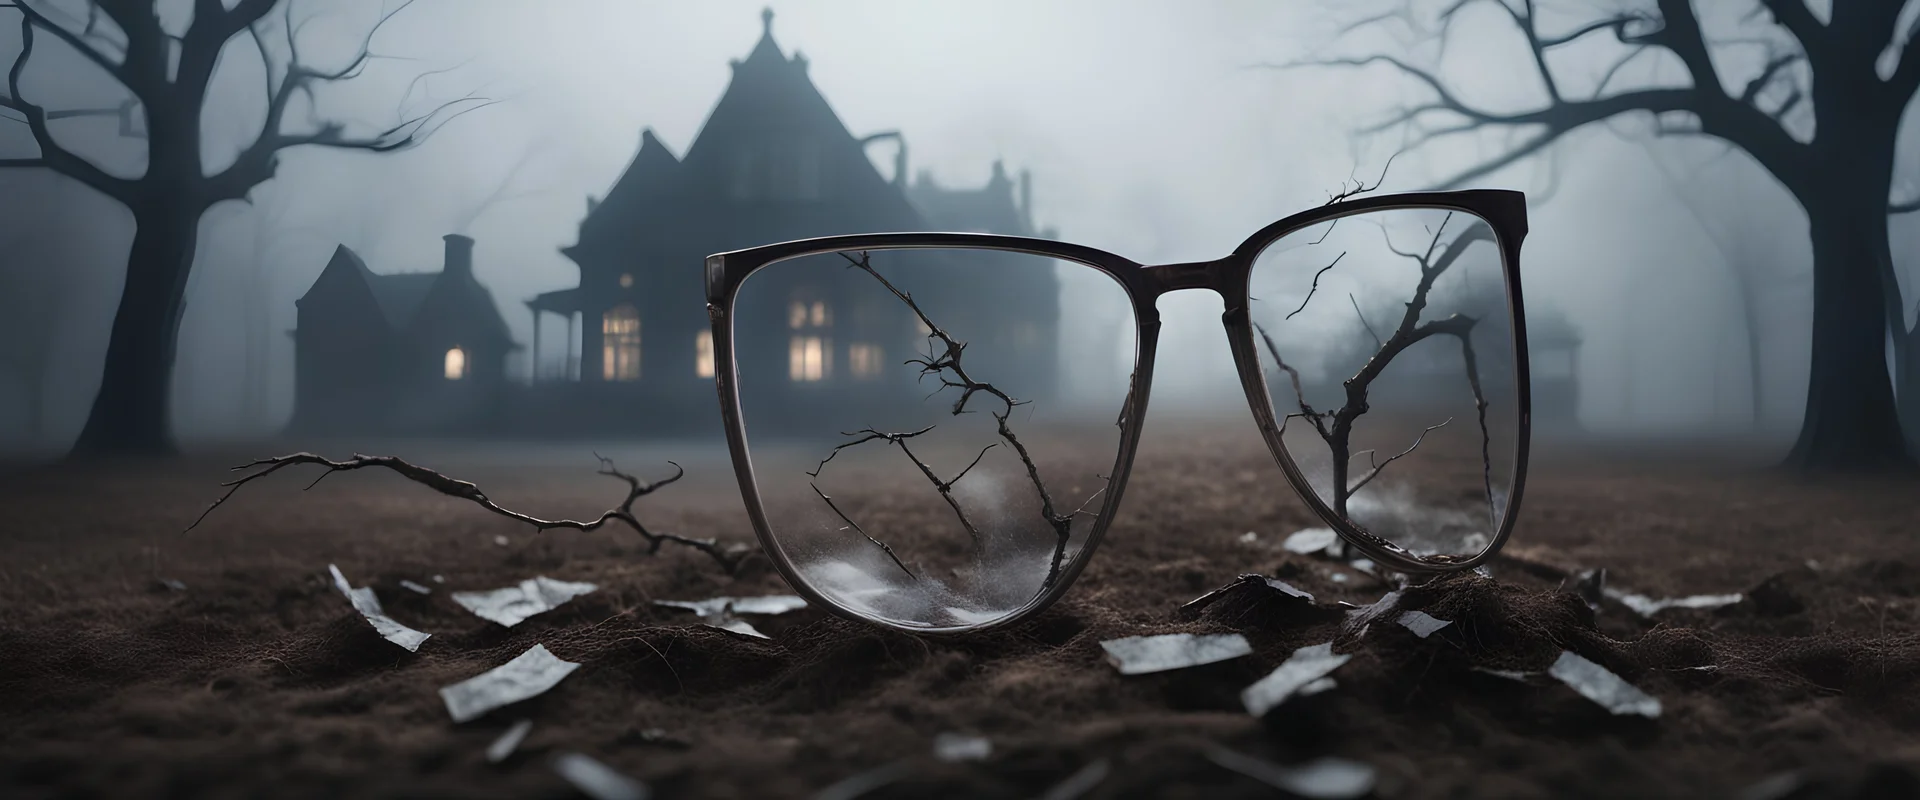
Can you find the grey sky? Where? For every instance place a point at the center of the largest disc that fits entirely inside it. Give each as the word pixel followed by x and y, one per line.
pixel 1146 129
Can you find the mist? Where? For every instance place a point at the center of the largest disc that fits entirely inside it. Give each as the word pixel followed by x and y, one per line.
pixel 1152 130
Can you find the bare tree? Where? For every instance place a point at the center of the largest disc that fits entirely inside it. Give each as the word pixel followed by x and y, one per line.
pixel 1335 426
pixel 166 74
pixel 1841 175
pixel 942 362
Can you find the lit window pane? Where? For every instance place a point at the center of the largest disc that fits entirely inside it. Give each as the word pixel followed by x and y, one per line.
pixel 620 344
pixel 456 367
pixel 863 359
pixel 819 313
pixel 797 315
pixel 703 354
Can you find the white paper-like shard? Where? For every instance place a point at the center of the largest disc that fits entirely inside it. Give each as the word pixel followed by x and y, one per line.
pixel 1305 667
pixel 1422 624
pixel 1359 619
pixel 736 625
pixel 1514 675
pixel 368 605
pixel 1138 655
pixel 1647 606
pixel 514 604
pixel 957 747
pixel 1316 687
pixel 597 780
pixel 416 588
pixel 527 675
pixel 718 606
pixel 1311 541
pixel 1600 685
pixel 1319 779
pixel 509 741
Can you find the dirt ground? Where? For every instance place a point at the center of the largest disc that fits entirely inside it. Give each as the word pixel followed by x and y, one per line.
pixel 258 679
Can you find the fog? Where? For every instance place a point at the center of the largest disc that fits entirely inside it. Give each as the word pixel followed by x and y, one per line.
pixel 1151 129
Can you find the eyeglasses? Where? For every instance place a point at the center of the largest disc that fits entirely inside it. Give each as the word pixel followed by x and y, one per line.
pixel 932 431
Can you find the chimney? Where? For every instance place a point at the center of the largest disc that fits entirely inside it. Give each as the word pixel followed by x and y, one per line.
pixel 459 255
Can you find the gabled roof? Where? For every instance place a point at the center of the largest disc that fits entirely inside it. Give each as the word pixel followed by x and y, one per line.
pixel 400 295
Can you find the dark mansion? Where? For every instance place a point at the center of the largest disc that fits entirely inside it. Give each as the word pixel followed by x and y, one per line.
pixel 773 162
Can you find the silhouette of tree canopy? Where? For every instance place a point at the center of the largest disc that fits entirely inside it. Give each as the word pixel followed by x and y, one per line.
pixel 1819 109
pixel 166 70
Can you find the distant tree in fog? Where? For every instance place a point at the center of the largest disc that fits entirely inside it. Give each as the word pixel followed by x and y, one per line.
pixel 166 65
pixel 1819 108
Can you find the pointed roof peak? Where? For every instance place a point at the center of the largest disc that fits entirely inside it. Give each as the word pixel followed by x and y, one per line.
pixel 767 50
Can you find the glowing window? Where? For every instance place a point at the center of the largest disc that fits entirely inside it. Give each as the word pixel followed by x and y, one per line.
pixel 808 359
pixel 626 280
pixel 456 367
pixel 703 354
pixel 620 344
pixel 796 315
pixel 863 359
pixel 820 317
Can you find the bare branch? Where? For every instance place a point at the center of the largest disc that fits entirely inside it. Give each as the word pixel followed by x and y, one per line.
pixel 1316 284
pixel 257 163
pixel 1376 468
pixel 76 40
pixel 52 155
pixel 944 364
pixel 727 556
pixel 1363 321
pixel 869 537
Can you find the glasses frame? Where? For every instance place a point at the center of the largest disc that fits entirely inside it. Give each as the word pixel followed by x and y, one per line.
pixel 1505 211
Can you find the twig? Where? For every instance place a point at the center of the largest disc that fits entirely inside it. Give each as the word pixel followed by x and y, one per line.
pixel 1316 284
pixel 862 531
pixel 728 556
pixel 943 362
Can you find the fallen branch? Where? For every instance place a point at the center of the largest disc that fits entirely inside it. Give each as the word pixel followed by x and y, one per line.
pixel 727 556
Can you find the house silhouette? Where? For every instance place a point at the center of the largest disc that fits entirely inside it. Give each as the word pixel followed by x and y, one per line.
pixel 417 352
pixel 773 162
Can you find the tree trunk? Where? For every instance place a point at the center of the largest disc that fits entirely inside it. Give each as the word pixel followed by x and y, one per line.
pixel 1906 379
pixel 132 413
pixel 1851 421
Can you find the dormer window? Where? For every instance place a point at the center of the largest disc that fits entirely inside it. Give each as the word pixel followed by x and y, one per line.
pixel 626 280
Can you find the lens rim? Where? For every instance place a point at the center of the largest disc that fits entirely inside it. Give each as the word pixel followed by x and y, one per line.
pixel 1507 219
pixel 1504 210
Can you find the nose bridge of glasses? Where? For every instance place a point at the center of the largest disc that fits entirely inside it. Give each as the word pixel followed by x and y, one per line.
pixel 1163 278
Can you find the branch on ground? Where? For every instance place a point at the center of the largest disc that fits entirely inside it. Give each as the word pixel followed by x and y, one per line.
pixel 727 556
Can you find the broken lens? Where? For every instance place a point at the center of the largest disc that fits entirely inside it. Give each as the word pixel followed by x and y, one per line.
pixel 1386 342
pixel 932 431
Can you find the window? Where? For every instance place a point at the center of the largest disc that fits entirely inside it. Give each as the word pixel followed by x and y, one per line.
pixel 863 359
pixel 796 315
pixel 808 359
pixel 703 354
pixel 620 344
pixel 456 366
pixel 626 280
pixel 819 315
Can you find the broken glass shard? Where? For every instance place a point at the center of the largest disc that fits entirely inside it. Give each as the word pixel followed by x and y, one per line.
pixel 1510 674
pixel 1138 655
pixel 1306 666
pixel 368 605
pixel 1320 779
pixel 175 585
pixel 527 675
pixel 1359 619
pixel 1646 606
pixel 597 780
pixel 769 604
pixel 957 747
pixel 1600 685
pixel 736 625
pixel 1422 624
pixel 509 741
pixel 514 604
pixel 1311 541
pixel 415 587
